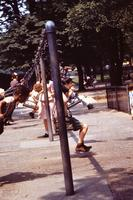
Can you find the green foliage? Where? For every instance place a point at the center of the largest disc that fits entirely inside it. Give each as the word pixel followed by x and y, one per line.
pixel 19 44
pixel 84 18
pixel 10 12
pixel 122 18
pixel 95 16
pixel 81 25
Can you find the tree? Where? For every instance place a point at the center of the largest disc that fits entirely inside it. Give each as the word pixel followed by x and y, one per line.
pixel 18 46
pixel 103 23
pixel 88 32
pixel 11 12
pixel 83 24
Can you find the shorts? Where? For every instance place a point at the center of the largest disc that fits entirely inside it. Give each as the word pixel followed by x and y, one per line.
pixel 73 124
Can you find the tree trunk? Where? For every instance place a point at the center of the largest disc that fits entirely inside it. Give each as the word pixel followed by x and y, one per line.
pixel 101 72
pixel 116 58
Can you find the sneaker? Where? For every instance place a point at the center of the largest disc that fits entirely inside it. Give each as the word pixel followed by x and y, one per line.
pixel 45 135
pixel 87 147
pixel 7 123
pixel 90 106
pixel 31 114
pixel 82 148
pixel 11 120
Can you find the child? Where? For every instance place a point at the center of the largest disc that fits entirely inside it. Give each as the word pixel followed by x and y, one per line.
pixel 75 123
pixel 34 97
pixel 42 106
pixel 8 104
pixel 14 80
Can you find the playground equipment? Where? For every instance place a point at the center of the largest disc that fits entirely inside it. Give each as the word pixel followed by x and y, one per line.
pixel 85 100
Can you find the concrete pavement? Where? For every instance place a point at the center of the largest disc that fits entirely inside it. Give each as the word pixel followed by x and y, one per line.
pixel 31 166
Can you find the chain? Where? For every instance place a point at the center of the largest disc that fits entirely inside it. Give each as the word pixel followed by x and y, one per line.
pixel 41 51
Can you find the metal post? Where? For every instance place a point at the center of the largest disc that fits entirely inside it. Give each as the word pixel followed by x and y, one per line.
pixel 50 31
pixel 50 131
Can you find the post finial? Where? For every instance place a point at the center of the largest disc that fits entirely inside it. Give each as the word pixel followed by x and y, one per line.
pixel 50 26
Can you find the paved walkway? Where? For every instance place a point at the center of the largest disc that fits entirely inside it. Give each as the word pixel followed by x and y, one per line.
pixel 31 166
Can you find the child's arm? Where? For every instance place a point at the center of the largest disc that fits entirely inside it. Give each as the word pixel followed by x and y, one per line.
pixel 6 109
pixel 2 109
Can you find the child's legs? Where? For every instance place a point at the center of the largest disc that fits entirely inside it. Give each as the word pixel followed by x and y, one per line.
pixel 45 124
pixel 83 128
pixel 82 133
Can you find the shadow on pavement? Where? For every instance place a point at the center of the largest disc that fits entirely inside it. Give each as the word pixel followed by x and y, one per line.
pixel 88 188
pixel 121 180
pixel 25 126
pixel 22 176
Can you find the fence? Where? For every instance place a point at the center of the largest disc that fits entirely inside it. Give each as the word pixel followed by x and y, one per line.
pixel 118 98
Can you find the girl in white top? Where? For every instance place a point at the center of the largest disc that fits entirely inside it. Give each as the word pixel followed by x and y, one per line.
pixel 34 97
pixel 42 106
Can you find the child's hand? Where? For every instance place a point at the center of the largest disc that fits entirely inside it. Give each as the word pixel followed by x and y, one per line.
pixel 1 116
pixel 36 108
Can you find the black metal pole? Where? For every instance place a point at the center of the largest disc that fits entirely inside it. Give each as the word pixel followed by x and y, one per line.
pixel 50 31
pixel 50 131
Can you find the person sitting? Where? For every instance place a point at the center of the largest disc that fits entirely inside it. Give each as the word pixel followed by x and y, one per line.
pixel 76 124
pixel 14 80
pixel 68 84
pixel 34 97
pixel 2 93
pixel 7 105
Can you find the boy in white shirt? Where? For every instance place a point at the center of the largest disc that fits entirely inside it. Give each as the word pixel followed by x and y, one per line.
pixel 75 123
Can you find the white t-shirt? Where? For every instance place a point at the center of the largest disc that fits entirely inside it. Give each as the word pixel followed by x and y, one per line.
pixel 9 99
pixel 34 96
